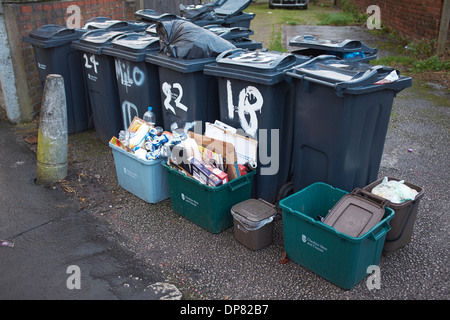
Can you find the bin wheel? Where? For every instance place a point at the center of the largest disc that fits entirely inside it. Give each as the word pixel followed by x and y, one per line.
pixel 284 258
pixel 285 191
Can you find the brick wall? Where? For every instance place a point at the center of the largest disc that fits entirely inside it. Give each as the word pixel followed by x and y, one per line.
pixel 415 19
pixel 32 15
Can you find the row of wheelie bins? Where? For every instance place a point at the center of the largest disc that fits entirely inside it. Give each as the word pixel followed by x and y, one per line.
pixel 320 115
pixel 316 118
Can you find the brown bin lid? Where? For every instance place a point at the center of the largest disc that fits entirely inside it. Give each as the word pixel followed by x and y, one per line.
pixel 254 210
pixel 355 215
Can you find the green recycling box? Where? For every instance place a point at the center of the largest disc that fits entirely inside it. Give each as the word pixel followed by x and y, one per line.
pixel 207 207
pixel 335 256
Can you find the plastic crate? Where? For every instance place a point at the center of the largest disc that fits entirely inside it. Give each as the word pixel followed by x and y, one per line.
pixel 146 179
pixel 337 257
pixel 207 207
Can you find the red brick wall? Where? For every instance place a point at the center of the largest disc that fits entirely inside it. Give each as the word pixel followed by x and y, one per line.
pixel 30 16
pixel 416 19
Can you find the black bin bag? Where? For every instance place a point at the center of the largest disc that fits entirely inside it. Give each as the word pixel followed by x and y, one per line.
pixel 185 40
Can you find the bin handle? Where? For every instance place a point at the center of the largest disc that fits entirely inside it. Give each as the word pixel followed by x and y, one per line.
pixel 233 185
pixel 228 52
pixel 371 197
pixel 368 78
pixel 384 228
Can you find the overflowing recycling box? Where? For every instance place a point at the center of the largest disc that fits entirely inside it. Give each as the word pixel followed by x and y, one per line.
pixel 336 256
pixel 209 206
pixel 146 179
pixel 138 169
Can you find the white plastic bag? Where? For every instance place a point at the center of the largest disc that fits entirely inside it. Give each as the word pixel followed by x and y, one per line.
pixel 394 191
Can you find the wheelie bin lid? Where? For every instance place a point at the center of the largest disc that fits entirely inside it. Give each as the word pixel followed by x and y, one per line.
pixel 349 77
pixel 154 16
pixel 132 46
pixel 50 36
pixel 232 7
pixel 229 33
pixel 264 67
pixel 117 25
pixel 96 40
pixel 345 48
pixel 179 65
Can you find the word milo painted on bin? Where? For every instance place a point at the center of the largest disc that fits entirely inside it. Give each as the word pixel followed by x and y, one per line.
pixel 128 75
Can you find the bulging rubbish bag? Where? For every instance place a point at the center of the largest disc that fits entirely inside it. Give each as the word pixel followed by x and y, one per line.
pixel 394 191
pixel 185 40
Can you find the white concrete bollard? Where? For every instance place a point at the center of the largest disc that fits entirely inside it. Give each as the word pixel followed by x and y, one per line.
pixel 53 133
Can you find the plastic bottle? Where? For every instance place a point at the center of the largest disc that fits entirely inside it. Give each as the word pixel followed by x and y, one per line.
pixel 149 116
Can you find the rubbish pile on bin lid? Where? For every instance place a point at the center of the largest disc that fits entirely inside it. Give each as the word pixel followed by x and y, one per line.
pixel 349 49
pixel 153 16
pixel 221 9
pixel 185 40
pixel 116 25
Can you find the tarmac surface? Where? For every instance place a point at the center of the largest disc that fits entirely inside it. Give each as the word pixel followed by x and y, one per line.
pixel 123 245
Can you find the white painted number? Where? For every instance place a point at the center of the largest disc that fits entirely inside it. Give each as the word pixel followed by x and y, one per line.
pixel 250 102
pixel 167 90
pixel 88 60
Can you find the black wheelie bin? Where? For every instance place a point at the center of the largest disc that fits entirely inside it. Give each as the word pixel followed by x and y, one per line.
pixel 54 54
pixel 342 113
pixel 137 81
pixel 256 99
pixel 100 79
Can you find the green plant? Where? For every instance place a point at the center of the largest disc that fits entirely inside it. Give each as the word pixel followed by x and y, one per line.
pixel 433 63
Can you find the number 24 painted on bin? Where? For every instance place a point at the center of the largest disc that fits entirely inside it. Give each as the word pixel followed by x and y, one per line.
pixel 91 60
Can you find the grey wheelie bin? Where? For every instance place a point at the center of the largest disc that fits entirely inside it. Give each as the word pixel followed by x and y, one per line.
pixel 100 78
pixel 353 50
pixel 342 112
pixel 54 54
pixel 137 81
pixel 256 99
